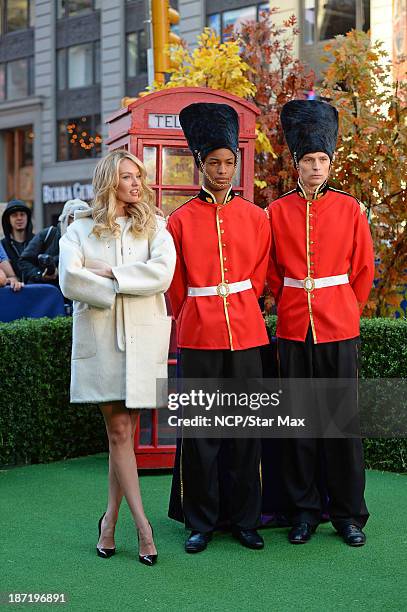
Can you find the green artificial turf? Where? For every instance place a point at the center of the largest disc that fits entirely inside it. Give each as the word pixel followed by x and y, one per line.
pixel 48 522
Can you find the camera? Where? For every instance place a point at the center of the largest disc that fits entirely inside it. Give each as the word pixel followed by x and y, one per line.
pixel 47 264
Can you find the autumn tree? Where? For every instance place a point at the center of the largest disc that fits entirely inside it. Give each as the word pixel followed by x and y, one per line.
pixel 372 151
pixel 213 64
pixel 278 77
pixel 258 64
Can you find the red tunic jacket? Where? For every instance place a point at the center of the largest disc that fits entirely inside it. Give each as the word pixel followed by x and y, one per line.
pixel 338 241
pixel 219 243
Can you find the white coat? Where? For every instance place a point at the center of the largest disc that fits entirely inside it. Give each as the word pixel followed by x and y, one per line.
pixel 121 330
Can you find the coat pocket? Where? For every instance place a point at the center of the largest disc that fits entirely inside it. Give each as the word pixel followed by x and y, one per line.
pixel 163 338
pixel 83 336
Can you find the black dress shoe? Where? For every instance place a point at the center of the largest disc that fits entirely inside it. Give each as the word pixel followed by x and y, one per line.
pixel 353 535
pixel 249 538
pixel 301 533
pixel 105 553
pixel 197 541
pixel 147 559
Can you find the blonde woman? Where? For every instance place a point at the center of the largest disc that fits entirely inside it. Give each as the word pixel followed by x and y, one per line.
pixel 116 262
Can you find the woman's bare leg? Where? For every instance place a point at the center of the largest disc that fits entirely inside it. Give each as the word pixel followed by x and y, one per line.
pixel 119 425
pixel 115 496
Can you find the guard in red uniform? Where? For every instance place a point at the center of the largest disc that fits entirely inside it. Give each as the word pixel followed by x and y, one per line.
pixel 223 245
pixel 321 272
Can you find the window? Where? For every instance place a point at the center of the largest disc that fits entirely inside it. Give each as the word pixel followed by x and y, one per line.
pixel 96 61
pixel 16 15
pixel 79 138
pixel 27 146
pixel 235 18
pixel 309 22
pixel 16 79
pixel 61 69
pixel 69 8
pixel 78 66
pixel 136 53
pixel 325 20
pixel 2 81
pixel 215 23
pixel 336 17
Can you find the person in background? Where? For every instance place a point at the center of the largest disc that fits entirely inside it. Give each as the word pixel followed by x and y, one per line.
pixel 18 231
pixel 40 259
pixel 7 276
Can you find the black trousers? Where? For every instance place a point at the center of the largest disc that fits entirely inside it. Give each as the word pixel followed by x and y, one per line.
pixel 342 458
pixel 201 479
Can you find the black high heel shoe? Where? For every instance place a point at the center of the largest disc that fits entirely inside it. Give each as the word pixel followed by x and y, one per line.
pixel 105 553
pixel 147 559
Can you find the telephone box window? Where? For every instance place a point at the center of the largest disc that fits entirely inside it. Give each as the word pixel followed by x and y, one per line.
pixel 178 166
pixel 166 434
pixel 150 162
pixel 146 432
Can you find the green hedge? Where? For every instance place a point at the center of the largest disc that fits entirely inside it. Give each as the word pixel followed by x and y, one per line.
pixel 38 424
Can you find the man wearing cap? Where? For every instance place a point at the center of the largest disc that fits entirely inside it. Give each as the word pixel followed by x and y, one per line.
pixel 321 272
pixel 223 244
pixel 18 231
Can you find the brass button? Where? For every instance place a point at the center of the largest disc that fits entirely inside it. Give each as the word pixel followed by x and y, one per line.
pixel 209 199
pixel 223 245
pixel 311 252
pixel 222 231
pixel 227 303
pixel 224 259
pixel 311 242
pixel 312 295
pixel 226 281
pixel 310 214
pixel 226 270
pixel 220 220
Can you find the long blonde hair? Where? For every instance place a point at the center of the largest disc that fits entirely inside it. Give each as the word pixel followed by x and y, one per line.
pixel 105 183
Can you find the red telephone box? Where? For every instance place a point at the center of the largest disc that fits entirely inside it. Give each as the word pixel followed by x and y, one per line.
pixel 149 127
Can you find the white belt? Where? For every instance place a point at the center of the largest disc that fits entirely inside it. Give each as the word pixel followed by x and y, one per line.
pixel 309 284
pixel 222 290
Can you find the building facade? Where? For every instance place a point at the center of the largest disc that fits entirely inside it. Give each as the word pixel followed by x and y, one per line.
pixel 65 65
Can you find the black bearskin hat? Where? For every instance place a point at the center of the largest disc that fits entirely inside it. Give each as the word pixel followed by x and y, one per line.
pixel 209 126
pixel 310 126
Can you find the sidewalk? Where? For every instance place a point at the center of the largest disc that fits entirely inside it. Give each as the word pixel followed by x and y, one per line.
pixel 48 521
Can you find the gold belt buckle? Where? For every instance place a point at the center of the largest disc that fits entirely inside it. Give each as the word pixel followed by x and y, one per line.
pixel 308 284
pixel 223 290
